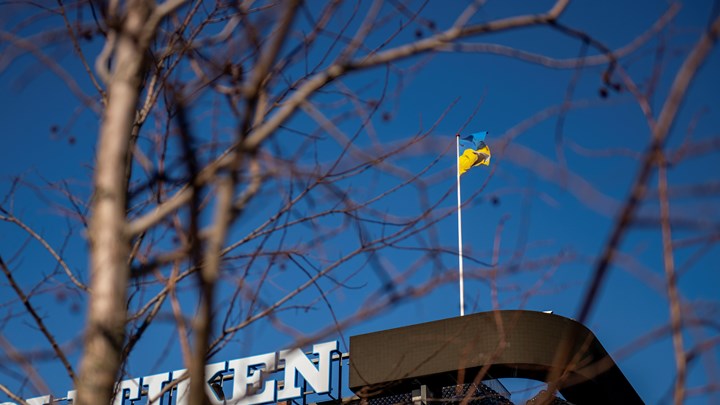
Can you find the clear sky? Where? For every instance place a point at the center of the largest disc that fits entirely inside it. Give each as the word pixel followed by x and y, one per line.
pixel 543 210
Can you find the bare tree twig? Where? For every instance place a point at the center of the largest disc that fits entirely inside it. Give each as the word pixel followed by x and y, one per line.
pixel 38 320
pixel 672 288
pixel 12 395
pixel 12 219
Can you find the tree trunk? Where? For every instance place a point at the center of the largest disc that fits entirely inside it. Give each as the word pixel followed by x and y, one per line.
pixel 109 244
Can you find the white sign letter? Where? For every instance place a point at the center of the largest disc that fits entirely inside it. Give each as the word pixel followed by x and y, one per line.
pixel 248 372
pixel 212 371
pixel 131 387
pixel 182 390
pixel 297 363
pixel 155 384
pixel 182 393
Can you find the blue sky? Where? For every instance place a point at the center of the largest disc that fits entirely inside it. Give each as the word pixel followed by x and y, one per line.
pixel 547 201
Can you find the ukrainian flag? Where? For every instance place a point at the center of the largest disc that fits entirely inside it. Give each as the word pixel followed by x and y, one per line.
pixel 473 152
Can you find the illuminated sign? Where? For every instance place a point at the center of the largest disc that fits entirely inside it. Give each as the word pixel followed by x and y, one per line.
pixel 247 379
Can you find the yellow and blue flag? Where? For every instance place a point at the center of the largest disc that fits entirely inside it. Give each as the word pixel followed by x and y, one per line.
pixel 473 152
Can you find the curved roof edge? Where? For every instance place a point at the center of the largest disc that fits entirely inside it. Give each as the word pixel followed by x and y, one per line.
pixel 499 344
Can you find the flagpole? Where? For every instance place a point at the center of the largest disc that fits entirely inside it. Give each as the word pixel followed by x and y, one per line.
pixel 459 216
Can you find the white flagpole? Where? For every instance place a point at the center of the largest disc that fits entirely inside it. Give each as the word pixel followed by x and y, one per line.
pixel 459 211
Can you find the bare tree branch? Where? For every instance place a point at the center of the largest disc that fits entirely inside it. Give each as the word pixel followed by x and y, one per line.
pixel 660 132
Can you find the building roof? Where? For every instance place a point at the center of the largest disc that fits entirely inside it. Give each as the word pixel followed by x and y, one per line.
pixel 500 344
